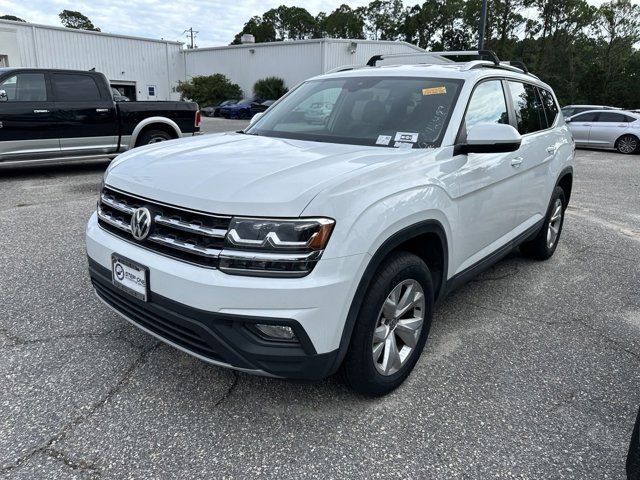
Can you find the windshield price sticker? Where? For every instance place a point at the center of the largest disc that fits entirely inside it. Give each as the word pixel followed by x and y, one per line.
pixel 406 137
pixel 434 91
pixel 383 140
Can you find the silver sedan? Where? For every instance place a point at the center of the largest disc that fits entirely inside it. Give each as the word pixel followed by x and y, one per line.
pixel 619 130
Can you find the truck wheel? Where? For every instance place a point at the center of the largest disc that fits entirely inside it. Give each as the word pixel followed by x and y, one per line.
pixel 152 136
pixel 392 326
pixel 627 144
pixel 542 246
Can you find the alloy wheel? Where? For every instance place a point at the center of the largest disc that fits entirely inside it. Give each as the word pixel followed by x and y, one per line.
pixel 555 222
pixel 627 144
pixel 398 327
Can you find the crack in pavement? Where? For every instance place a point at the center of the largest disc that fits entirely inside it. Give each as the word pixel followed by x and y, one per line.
pixel 49 447
pixel 79 465
pixel 19 341
pixel 232 387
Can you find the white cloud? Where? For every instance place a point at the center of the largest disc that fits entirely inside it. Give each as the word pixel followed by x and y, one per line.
pixel 217 21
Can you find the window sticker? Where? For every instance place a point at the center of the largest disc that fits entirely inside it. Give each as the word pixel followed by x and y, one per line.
pixel 406 137
pixel 434 91
pixel 403 145
pixel 383 140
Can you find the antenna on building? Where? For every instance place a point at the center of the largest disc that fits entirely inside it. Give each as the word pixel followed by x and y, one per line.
pixel 192 34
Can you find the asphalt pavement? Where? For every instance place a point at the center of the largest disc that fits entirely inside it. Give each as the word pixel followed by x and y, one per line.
pixel 530 371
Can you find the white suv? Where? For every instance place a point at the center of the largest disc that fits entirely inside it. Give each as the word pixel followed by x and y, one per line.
pixel 295 249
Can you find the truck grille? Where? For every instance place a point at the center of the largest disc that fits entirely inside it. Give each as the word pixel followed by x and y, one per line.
pixel 188 235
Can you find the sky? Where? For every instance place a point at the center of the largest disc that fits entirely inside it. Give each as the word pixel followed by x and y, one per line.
pixel 217 21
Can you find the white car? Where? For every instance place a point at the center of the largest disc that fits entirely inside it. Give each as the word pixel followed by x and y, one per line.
pixel 294 250
pixel 619 130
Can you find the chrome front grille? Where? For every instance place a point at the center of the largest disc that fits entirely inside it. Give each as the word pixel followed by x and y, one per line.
pixel 189 235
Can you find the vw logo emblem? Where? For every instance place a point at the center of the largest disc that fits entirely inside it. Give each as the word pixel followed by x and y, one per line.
pixel 141 223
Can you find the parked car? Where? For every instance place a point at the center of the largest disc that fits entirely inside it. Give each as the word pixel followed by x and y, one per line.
pixel 619 130
pixel 117 96
pixel 633 455
pixel 259 107
pixel 571 110
pixel 208 111
pixel 214 110
pixel 318 112
pixel 294 250
pixel 63 115
pixel 240 109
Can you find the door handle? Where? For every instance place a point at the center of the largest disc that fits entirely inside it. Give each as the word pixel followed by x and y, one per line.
pixel 102 110
pixel 41 111
pixel 551 149
pixel 516 162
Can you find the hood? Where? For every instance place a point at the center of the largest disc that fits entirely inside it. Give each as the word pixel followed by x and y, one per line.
pixel 237 174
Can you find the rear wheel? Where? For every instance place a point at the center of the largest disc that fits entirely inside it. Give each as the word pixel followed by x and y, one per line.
pixel 627 144
pixel 243 114
pixel 153 136
pixel 392 326
pixel 544 244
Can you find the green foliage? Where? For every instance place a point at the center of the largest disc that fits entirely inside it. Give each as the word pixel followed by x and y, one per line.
pixel 587 54
pixel 270 88
pixel 209 90
pixel 12 17
pixel 73 19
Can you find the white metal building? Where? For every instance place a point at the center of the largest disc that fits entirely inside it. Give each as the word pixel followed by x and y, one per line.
pixel 148 69
pixel 294 61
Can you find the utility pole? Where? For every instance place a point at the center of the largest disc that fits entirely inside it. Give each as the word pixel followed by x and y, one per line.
pixel 483 20
pixel 191 34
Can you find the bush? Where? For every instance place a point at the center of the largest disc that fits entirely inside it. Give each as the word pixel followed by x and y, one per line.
pixel 209 90
pixel 270 88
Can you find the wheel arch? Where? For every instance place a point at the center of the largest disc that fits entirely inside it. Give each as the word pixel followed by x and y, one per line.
pixel 161 123
pixel 409 239
pixel 565 181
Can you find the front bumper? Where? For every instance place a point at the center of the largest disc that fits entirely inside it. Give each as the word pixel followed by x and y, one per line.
pixel 205 312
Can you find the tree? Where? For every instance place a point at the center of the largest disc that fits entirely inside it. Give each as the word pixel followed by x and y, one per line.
pixel 12 17
pixel 210 89
pixel 73 19
pixel 270 88
pixel 291 23
pixel 344 22
pixel 261 30
pixel 384 18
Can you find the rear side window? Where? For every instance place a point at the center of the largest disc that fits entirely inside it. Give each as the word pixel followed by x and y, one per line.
pixel 585 117
pixel 612 117
pixel 487 105
pixel 25 87
pixel 527 107
pixel 549 105
pixel 75 88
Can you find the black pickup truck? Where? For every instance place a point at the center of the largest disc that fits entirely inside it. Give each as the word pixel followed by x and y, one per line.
pixel 65 115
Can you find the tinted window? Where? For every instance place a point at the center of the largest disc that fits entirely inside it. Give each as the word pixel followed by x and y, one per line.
pixel 550 106
pixel 25 87
pixel 630 119
pixel 400 112
pixel 487 105
pixel 75 88
pixel 611 117
pixel 528 108
pixel 585 117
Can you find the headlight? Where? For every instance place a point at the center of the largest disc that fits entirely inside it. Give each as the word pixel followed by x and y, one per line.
pixel 274 247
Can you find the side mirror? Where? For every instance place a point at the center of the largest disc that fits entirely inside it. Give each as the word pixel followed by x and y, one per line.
pixel 491 138
pixel 255 118
pixel 567 120
pixel 3 96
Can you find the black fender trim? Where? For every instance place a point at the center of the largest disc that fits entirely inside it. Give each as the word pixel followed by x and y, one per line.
pixel 398 238
pixel 565 171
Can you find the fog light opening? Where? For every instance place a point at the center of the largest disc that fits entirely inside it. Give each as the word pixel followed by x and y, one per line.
pixel 276 332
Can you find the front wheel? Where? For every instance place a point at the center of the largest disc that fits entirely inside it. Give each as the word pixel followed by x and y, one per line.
pixel 544 244
pixel 627 144
pixel 392 326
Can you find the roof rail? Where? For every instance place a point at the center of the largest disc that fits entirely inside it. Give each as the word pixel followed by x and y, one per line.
pixel 488 54
pixel 345 68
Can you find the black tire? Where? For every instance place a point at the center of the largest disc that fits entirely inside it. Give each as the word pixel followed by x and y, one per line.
pixel 358 368
pixel 628 144
pixel 152 136
pixel 243 114
pixel 539 248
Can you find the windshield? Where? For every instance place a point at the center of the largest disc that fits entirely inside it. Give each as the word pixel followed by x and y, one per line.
pixel 402 112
